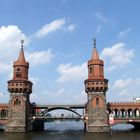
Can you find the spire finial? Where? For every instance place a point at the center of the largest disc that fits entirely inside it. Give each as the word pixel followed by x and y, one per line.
pixel 22 42
pixel 94 41
pixel 95 53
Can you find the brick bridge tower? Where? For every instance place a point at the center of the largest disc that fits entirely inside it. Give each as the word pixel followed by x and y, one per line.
pixel 20 89
pixel 96 86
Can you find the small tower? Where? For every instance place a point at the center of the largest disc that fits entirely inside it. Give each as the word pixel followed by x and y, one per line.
pixel 96 86
pixel 20 89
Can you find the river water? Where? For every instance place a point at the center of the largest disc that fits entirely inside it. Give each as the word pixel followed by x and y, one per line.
pixel 72 130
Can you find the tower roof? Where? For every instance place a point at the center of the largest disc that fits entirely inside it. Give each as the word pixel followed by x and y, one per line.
pixel 95 52
pixel 21 58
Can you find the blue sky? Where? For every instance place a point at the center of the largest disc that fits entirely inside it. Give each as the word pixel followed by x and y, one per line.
pixel 58 43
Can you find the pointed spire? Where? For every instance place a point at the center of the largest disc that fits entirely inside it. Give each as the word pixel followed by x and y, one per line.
pixel 95 53
pixel 21 57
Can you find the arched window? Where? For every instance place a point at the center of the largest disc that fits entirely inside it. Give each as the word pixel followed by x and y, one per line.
pixel 97 101
pixel 90 70
pixel 17 102
pixel 18 72
pixel 3 113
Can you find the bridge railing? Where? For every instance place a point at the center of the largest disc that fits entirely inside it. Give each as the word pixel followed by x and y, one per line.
pixel 126 117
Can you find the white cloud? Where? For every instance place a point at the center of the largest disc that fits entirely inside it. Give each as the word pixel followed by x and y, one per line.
pixel 41 57
pixel 122 83
pixel 34 80
pixel 124 93
pixel 100 17
pixel 124 33
pixel 72 73
pixel 82 97
pixel 10 37
pixel 117 55
pixel 51 27
pixel 60 93
pixel 58 24
pixel 69 28
pixel 124 89
pixel 4 67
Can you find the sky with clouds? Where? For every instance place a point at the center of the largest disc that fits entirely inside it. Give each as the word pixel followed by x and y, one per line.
pixel 58 38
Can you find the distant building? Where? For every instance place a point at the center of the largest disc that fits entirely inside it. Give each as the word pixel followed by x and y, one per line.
pixel 136 100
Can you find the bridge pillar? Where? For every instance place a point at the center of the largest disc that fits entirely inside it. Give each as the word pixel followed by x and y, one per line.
pixel 97 120
pixel 20 88
pixel 96 86
pixel 38 125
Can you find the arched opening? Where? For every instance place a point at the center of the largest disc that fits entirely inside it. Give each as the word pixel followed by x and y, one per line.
pixel 3 113
pixel 130 112
pixel 136 113
pixel 116 113
pixel 123 113
pixel 90 70
pixel 62 119
pixel 59 108
pixel 97 102
pixel 17 102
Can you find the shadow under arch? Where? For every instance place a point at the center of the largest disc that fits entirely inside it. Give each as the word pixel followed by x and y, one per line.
pixel 61 108
pixel 135 124
pixel 2 127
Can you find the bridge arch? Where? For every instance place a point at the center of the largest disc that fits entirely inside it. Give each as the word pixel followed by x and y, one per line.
pixel 116 112
pixel 130 112
pixel 123 112
pixel 136 112
pixel 60 108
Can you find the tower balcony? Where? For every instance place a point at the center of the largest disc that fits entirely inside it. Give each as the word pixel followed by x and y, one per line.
pixel 99 85
pixel 96 62
pixel 19 86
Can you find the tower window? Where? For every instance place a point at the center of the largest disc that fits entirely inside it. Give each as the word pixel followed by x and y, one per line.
pixel 17 102
pixel 18 72
pixel 97 102
pixel 90 70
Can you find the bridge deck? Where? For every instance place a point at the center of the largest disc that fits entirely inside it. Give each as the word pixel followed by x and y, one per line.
pixel 57 117
pixel 72 106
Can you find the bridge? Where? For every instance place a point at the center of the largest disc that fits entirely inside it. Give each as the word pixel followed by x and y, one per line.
pixel 125 112
pixel 20 115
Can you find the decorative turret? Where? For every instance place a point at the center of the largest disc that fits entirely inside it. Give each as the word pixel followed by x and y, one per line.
pixel 20 88
pixel 96 86
pixel 20 83
pixel 96 80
